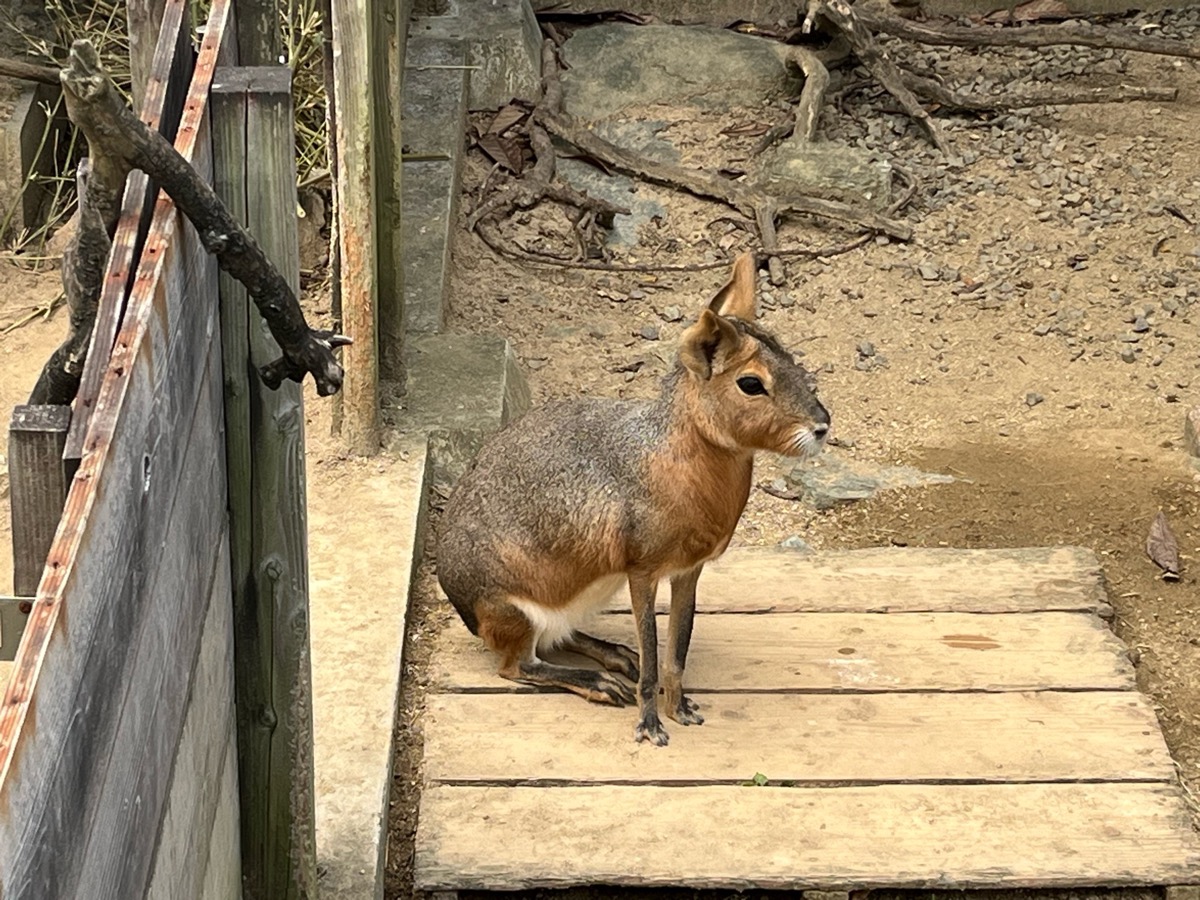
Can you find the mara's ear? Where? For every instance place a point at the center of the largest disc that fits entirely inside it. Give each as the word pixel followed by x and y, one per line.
pixel 738 297
pixel 704 342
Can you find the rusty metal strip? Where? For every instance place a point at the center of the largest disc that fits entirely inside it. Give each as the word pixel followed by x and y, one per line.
pixel 43 623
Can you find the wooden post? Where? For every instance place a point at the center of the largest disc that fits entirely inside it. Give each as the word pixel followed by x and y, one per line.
pixel 38 483
pixel 259 40
pixel 391 31
pixel 252 110
pixel 356 200
pixel 145 21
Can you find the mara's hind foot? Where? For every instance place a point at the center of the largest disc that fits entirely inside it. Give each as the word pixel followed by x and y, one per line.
pixel 614 657
pixel 686 712
pixel 650 729
pixel 599 687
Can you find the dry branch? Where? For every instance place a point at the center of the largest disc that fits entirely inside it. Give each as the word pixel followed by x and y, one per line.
pixel 875 17
pixel 114 132
pixel 871 55
pixel 99 183
pixel 1055 96
pixel 15 68
pixel 806 115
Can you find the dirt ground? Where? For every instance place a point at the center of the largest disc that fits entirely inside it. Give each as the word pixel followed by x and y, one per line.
pixel 1003 349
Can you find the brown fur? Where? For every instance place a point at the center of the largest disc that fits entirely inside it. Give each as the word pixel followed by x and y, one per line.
pixel 575 495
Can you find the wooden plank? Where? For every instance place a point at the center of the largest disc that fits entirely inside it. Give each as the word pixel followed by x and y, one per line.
pixel 909 579
pixel 38 486
pixel 1045 736
pixel 389 32
pixel 270 559
pixel 356 194
pixel 853 652
pixel 207 739
pixel 259 41
pixel 223 870
pixel 901 836
pixel 144 18
pixel 161 108
pixel 118 509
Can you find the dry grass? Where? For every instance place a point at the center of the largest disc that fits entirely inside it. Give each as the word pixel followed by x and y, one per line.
pixel 103 22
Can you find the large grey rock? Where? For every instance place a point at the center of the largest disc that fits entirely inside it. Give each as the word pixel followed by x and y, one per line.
pixel 830 171
pixel 616 189
pixel 616 66
pixel 832 479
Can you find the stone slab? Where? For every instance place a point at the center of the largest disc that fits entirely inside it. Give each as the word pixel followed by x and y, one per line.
pixel 503 41
pixel 434 103
pixel 832 479
pixel 358 619
pixel 460 388
pixel 429 207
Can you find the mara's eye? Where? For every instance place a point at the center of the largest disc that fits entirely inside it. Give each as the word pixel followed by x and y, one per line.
pixel 748 384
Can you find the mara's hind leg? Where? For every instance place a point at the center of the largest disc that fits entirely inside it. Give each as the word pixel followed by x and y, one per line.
pixel 506 630
pixel 614 657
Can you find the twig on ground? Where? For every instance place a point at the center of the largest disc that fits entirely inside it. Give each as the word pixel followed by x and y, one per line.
pixel 1054 96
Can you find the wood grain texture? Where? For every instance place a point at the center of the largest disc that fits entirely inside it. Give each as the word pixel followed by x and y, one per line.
pixel 38 488
pixel 223 869
pixel 206 741
pixel 916 836
pixel 909 579
pixel 267 501
pixel 106 684
pixel 354 67
pixel 144 18
pixel 1045 736
pixel 853 652
pixel 161 106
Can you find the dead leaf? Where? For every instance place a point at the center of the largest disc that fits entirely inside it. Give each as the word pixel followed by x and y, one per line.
pixel 748 129
pixel 1162 547
pixel 783 493
pixel 506 151
pixel 507 118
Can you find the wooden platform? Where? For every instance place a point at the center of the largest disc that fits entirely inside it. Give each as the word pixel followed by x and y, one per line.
pixel 879 718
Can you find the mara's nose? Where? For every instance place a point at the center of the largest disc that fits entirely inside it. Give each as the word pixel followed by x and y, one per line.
pixel 820 430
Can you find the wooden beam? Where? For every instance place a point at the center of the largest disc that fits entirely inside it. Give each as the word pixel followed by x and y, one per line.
pixel 357 209
pixel 253 114
pixel 39 482
pixel 258 37
pixel 145 18
pixel 389 37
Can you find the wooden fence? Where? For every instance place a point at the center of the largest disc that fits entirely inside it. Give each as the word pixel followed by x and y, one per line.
pixel 119 741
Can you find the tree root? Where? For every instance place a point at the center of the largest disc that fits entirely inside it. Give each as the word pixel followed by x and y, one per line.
pixel 807 113
pixel 1055 96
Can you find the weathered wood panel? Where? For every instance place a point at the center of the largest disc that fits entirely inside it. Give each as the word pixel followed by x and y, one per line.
pixel 854 652
pixel 355 65
pixel 206 742
pixel 909 579
pixel 94 712
pixel 267 503
pixel 223 869
pixel 39 481
pixel 165 87
pixel 1044 736
pixel 917 836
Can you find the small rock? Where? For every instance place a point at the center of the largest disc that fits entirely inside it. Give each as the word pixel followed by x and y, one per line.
pixel 649 332
pixel 671 314
pixel 929 272
pixel 1191 431
pixel 1033 398
pixel 1140 325
pixel 866 349
pixel 637 295
pixel 795 542
pixel 1128 354
pixel 1042 330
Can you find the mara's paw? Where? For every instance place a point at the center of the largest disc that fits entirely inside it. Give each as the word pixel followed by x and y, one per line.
pixel 687 712
pixel 625 661
pixel 611 690
pixel 650 729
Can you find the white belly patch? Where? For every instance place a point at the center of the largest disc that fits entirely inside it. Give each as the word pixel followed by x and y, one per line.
pixel 553 626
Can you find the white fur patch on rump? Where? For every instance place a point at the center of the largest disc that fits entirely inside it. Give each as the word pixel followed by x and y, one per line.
pixel 553 626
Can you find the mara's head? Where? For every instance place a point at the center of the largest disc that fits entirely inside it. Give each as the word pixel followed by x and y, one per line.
pixel 747 390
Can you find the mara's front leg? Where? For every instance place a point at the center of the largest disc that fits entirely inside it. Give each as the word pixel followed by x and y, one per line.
pixel 642 591
pixel 679 637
